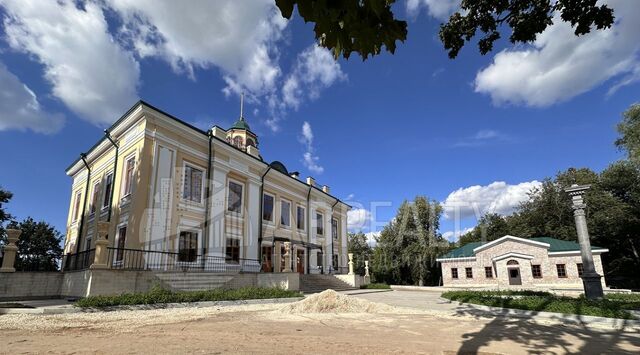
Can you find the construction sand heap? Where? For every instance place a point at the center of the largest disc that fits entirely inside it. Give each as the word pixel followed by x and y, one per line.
pixel 330 301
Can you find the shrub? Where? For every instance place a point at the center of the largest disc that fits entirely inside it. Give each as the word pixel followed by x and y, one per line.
pixel 376 286
pixel 158 295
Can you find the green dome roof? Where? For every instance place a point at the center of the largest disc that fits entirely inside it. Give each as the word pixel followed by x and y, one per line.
pixel 241 124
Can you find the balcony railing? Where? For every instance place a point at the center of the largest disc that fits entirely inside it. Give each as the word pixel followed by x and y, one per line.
pixel 78 261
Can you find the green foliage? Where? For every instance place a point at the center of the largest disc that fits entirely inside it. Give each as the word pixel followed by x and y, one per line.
pixel 408 246
pixel 611 307
pixel 5 196
pixel 629 130
pixel 525 19
pixel 348 26
pixel 158 295
pixel 376 286
pixel 357 244
pixel 38 247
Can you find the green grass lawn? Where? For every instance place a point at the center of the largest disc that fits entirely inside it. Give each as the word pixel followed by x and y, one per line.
pixel 612 306
pixel 158 295
pixel 376 286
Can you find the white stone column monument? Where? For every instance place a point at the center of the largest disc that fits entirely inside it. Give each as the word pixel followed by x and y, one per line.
pixel 351 264
pixel 590 278
pixel 100 259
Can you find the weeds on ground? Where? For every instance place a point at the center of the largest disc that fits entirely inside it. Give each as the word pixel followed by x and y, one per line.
pixel 376 286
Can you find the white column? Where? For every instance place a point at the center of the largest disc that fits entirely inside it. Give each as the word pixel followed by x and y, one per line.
pixel 252 219
pixel 217 211
pixel 328 251
pixel 343 236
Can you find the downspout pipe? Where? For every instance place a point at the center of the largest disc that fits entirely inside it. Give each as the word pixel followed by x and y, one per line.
pixel 115 169
pixel 332 207
pixel 309 227
pixel 207 193
pixel 83 156
pixel 261 201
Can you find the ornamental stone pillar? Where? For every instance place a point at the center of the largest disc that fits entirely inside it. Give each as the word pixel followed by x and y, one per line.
pixel 351 264
pixel 10 250
pixel 287 256
pixel 590 278
pixel 366 268
pixel 100 259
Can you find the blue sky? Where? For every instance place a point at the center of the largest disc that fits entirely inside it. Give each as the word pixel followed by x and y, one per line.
pixel 476 132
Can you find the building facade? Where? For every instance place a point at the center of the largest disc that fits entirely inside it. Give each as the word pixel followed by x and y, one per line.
pixel 173 193
pixel 518 263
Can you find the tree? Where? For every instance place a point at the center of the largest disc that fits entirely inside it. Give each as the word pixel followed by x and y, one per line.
pixel 408 246
pixel 368 26
pixel 38 246
pixel 5 196
pixel 357 244
pixel 629 130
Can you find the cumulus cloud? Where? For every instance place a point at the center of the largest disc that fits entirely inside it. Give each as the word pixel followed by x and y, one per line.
pixel 454 235
pixel 559 65
pixel 310 160
pixel 497 197
pixel 20 109
pixel 483 137
pixel 358 219
pixel 440 9
pixel 88 71
pixel 372 238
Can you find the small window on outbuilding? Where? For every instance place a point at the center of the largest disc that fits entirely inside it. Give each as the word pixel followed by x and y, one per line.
pixel 536 271
pixel 562 270
pixel 580 269
pixel 488 272
pixel 469 272
pixel 454 273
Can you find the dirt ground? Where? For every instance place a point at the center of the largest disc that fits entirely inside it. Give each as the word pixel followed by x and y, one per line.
pixel 265 329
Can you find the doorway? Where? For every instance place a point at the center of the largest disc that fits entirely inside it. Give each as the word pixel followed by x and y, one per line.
pixel 300 261
pixel 267 259
pixel 514 276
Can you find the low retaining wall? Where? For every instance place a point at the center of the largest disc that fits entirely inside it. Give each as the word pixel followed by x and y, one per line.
pixel 30 285
pixel 353 280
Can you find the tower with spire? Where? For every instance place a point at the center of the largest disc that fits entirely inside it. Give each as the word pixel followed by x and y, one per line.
pixel 240 134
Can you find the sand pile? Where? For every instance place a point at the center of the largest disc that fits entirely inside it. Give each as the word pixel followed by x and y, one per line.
pixel 330 301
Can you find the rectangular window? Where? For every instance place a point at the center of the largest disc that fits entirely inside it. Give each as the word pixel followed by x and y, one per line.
pixel 232 251
pixel 320 260
pixel 469 272
pixel 334 228
pixel 319 224
pixel 335 261
pixel 488 272
pixel 128 176
pixel 235 197
pixel 94 197
pixel 76 206
pixel 285 213
pixel 188 247
pixel 267 207
pixel 536 271
pixel 300 217
pixel 120 243
pixel 454 273
pixel 108 186
pixel 580 269
pixel 192 184
pixel 562 271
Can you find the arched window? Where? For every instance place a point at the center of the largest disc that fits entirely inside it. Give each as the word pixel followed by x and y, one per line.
pixel 237 141
pixel 512 262
pixel 250 142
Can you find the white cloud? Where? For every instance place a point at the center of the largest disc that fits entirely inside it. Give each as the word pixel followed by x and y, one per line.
pixel 89 72
pixel 358 219
pixel 371 238
pixel 497 197
pixel 483 137
pixel 20 109
pixel 440 9
pixel 454 235
pixel 559 65
pixel 310 160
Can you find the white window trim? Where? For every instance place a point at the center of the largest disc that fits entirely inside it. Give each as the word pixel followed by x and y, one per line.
pixel 116 241
pixel 273 212
pixel 337 236
pixel 198 232
pixel 320 224
pixel 284 200
pixel 94 190
pixel 184 182
pixel 227 189
pixel 240 249
pixel 75 210
pixel 104 191
pixel 124 195
pixel 304 217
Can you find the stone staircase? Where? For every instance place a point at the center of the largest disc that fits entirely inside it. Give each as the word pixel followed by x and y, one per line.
pixel 312 283
pixel 192 281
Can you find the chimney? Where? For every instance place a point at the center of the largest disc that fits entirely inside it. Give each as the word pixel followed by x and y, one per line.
pixel 325 188
pixel 311 181
pixel 253 151
pixel 295 174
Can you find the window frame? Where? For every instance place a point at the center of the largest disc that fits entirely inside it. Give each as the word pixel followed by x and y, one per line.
pixel 197 242
pixel 488 272
pixel 454 273
pixel 106 194
pixel 127 180
pixel 284 201
pixel 580 268
pixel 230 260
pixel 273 204
pixel 337 226
pixel 203 173
pixel 319 226
pixel 94 198
pixel 468 272
pixel 75 212
pixel 304 217
pixel 562 267
pixel 536 271
pixel 242 192
pixel 120 239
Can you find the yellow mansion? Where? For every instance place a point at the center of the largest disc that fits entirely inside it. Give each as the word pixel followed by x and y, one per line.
pixel 179 198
